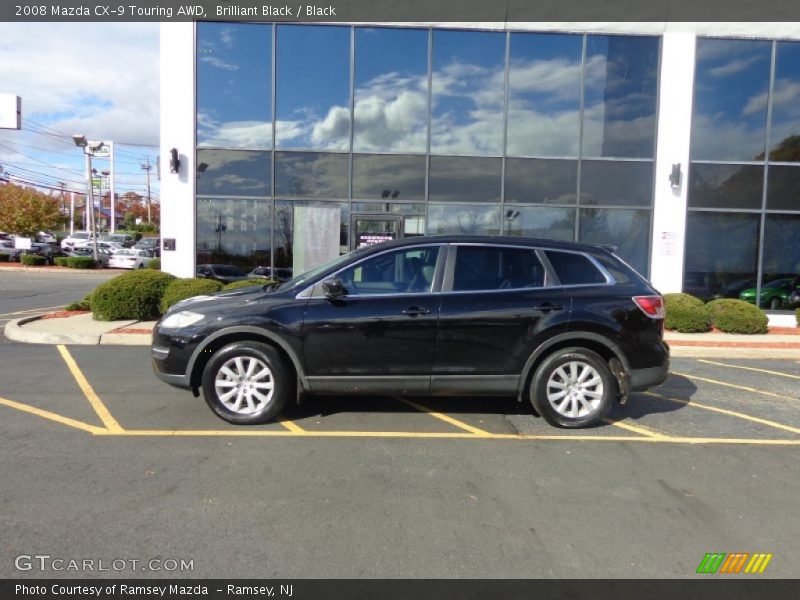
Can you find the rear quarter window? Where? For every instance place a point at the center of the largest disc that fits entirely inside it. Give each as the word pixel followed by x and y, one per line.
pixel 574 269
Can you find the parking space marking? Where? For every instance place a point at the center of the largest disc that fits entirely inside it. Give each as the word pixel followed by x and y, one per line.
pixel 733 385
pixel 725 411
pixel 28 310
pixel 290 425
pixel 641 430
pixel 443 417
pixel 46 414
pixel 719 364
pixel 109 421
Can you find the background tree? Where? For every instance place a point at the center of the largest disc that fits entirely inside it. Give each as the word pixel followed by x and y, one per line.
pixel 25 211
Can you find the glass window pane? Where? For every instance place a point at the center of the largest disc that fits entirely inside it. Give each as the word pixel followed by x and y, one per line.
pixel 467 92
pixel 725 186
pixel 311 174
pixel 496 268
pixel 234 85
pixel 730 99
pixel 407 271
pixel 574 269
pixel 541 181
pixel 617 183
pixel 540 222
pixel 233 173
pixel 785 134
pixel 385 207
pixel 715 271
pixel 782 251
pixel 389 177
pixel 620 89
pixel 464 179
pixel 468 219
pixel 544 81
pixel 309 234
pixel 783 188
pixel 313 87
pixel 234 232
pixel 628 230
pixel 391 106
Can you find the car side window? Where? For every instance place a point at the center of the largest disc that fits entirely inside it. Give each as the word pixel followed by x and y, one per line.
pixel 405 271
pixel 497 268
pixel 574 269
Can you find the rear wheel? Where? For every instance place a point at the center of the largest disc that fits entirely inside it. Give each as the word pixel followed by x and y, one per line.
pixel 246 383
pixel 573 388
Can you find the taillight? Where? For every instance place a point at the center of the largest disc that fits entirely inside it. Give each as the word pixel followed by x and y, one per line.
pixel 652 306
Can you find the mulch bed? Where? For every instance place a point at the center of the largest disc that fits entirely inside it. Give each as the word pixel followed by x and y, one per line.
pixel 63 314
pixel 133 330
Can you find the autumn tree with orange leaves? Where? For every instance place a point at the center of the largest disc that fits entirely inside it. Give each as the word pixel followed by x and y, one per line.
pixel 25 211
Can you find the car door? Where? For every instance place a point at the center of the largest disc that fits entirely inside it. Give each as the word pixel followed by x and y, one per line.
pixel 498 303
pixel 380 336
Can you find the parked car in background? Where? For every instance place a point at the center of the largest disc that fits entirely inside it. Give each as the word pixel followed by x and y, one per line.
pixel 7 247
pixel 78 236
pixel 277 274
pixel 110 246
pixel 123 239
pixel 774 294
pixel 49 251
pixel 567 326
pixel 149 243
pixel 130 258
pixel 103 255
pixel 222 273
pixel 45 237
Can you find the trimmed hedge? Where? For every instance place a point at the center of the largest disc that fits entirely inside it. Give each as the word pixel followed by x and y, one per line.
pixel 737 316
pixel 234 285
pixel 155 264
pixel 180 289
pixel 61 261
pixel 686 314
pixel 80 262
pixel 4 257
pixel 134 295
pixel 85 304
pixel 33 260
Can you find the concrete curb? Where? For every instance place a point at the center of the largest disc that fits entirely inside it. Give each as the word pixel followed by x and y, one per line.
pixel 125 339
pixel 14 331
pixel 732 352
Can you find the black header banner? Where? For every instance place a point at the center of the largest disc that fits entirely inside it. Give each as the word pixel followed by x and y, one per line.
pixel 417 589
pixel 390 11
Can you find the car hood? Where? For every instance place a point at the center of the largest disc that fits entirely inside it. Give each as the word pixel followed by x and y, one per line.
pixel 220 300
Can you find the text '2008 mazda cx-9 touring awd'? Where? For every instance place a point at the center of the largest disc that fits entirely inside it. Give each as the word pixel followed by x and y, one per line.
pixel 568 326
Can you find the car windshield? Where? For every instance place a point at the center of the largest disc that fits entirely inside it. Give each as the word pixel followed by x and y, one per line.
pixel 778 283
pixel 80 236
pixel 127 253
pixel 229 270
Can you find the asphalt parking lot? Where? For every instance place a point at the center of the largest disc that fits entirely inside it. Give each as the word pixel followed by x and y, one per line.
pixel 102 461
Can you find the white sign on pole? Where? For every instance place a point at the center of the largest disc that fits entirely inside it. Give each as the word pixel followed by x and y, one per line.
pixel 22 243
pixel 10 111
pixel 97 149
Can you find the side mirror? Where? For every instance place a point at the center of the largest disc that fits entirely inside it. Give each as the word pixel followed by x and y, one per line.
pixel 333 287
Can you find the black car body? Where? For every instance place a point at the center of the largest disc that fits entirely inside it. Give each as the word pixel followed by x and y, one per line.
pixel 567 325
pixel 49 250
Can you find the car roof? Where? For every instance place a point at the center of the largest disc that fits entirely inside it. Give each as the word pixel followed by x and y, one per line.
pixel 495 239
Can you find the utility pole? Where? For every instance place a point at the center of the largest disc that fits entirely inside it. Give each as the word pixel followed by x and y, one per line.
pixel 63 205
pixel 147 167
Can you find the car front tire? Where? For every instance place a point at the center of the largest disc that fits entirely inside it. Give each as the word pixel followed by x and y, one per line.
pixel 246 383
pixel 573 388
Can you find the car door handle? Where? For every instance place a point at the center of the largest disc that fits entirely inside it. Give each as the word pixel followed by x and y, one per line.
pixel 547 307
pixel 415 311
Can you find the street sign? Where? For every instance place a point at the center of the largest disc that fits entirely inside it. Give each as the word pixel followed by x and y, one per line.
pixel 98 149
pixel 10 111
pixel 22 243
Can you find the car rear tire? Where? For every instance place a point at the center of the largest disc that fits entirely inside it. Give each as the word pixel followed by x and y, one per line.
pixel 246 383
pixel 572 388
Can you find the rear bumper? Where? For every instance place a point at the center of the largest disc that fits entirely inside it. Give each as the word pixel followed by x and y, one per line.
pixel 641 379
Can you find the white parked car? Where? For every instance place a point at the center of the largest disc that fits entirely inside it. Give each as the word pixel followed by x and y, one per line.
pixel 79 236
pixel 45 237
pixel 130 258
pixel 112 247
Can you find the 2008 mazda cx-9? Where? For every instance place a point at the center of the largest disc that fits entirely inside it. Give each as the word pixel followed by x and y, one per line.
pixel 568 326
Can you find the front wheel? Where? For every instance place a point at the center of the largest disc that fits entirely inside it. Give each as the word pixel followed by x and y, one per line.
pixel 246 383
pixel 573 388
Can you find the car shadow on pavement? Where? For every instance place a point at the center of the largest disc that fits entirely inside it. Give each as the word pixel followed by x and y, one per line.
pixel 669 397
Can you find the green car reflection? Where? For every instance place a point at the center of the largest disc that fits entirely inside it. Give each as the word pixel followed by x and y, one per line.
pixel 775 295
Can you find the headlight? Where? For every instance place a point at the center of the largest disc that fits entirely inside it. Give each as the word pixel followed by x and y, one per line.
pixel 183 318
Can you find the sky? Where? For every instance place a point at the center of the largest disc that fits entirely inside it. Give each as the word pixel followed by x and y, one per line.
pixel 96 79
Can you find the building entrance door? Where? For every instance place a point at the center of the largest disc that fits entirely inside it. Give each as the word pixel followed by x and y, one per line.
pixel 374 229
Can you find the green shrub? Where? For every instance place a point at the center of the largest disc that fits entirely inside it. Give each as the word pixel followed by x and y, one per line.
pixel 134 295
pixel 61 261
pixel 80 262
pixel 180 289
pixel 33 260
pixel 4 257
pixel 737 316
pixel 155 264
pixel 686 314
pixel 244 283
pixel 85 304
pixel 797 316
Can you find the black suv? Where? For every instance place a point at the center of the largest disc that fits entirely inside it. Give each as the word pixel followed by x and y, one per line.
pixel 569 326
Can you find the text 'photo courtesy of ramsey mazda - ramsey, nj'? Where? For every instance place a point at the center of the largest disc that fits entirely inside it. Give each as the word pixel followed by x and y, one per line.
pixel 568 326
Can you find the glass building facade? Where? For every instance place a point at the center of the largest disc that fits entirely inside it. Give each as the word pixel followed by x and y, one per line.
pixel 310 138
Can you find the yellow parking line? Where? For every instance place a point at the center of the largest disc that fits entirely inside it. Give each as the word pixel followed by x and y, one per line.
pixel 445 418
pixel 725 411
pixel 634 428
pixel 46 414
pixel 290 425
pixel 733 385
pixel 719 364
pixel 97 404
